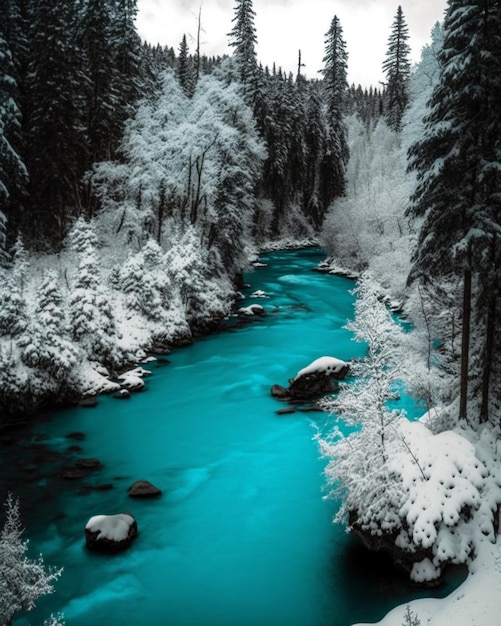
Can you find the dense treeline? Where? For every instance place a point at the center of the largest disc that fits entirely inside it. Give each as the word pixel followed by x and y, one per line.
pixel 218 155
pixel 73 73
pixel 135 182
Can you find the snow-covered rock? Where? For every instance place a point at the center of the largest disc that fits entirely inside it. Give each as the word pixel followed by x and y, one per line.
pixel 259 293
pixel 313 381
pixel 252 310
pixel 132 380
pixel 328 365
pixel 110 533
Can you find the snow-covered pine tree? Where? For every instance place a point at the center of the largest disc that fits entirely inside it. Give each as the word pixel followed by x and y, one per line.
pixel 13 174
pixel 396 68
pixel 92 324
pixel 48 348
pixel 243 39
pixel 22 580
pixel 13 308
pixel 145 282
pixel 458 169
pixel 333 180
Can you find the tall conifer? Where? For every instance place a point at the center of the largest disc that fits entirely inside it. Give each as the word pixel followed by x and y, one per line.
pixel 243 39
pixel 335 72
pixel 397 69
pixel 458 165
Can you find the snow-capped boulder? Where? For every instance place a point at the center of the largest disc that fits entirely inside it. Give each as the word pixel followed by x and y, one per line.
pixel 259 293
pixel 328 365
pixel 313 381
pixel 131 380
pixel 252 310
pixel 143 489
pixel 110 533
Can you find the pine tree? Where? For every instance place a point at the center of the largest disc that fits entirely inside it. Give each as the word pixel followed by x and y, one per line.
pixel 57 142
pixel 49 349
pixel 95 31
pixel 333 181
pixel 126 45
pixel 458 168
pixel 13 173
pixel 91 318
pixel 22 580
pixel 185 73
pixel 397 70
pixel 243 39
pixel 314 139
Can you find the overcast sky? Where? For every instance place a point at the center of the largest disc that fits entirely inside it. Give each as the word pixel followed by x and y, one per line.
pixel 285 26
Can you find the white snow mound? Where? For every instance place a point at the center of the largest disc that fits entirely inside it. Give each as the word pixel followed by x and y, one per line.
pixel 112 527
pixel 328 364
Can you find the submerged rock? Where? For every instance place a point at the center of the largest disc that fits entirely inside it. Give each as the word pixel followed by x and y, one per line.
pixel 110 533
pixel 89 464
pixel 88 402
pixel 143 489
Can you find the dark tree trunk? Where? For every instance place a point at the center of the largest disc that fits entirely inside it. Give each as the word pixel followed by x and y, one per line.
pixel 488 357
pixel 465 345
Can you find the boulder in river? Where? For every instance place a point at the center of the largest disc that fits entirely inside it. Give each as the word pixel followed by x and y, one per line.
pixel 110 533
pixel 143 489
pixel 313 381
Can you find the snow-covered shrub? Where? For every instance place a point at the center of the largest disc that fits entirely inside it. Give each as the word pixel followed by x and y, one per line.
pixel 22 580
pixel 432 496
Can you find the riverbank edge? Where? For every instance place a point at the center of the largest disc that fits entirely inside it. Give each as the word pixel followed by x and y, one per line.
pixel 17 409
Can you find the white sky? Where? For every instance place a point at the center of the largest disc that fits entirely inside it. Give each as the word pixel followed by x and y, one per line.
pixel 285 26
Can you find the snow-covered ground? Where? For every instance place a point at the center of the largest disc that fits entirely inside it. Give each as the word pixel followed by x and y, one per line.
pixel 477 602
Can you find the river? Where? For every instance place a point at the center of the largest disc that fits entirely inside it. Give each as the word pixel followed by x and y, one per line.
pixel 241 535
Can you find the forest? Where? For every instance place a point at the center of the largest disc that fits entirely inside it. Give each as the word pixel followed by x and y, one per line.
pixel 137 182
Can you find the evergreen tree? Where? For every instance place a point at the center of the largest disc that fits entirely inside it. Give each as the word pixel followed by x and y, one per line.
pixel 95 39
pixel 333 181
pixel 13 173
pixel 397 70
pixel 314 139
pixel 185 73
pixel 126 45
pixel 243 39
pixel 57 142
pixel 458 167
pixel 49 349
pixel 91 318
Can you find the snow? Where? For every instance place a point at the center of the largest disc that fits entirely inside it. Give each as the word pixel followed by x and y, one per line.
pixel 253 309
pixel 112 527
pixel 474 603
pixel 453 491
pixel 259 293
pixel 328 364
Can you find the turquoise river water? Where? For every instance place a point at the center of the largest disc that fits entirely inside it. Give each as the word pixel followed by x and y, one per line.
pixel 241 535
